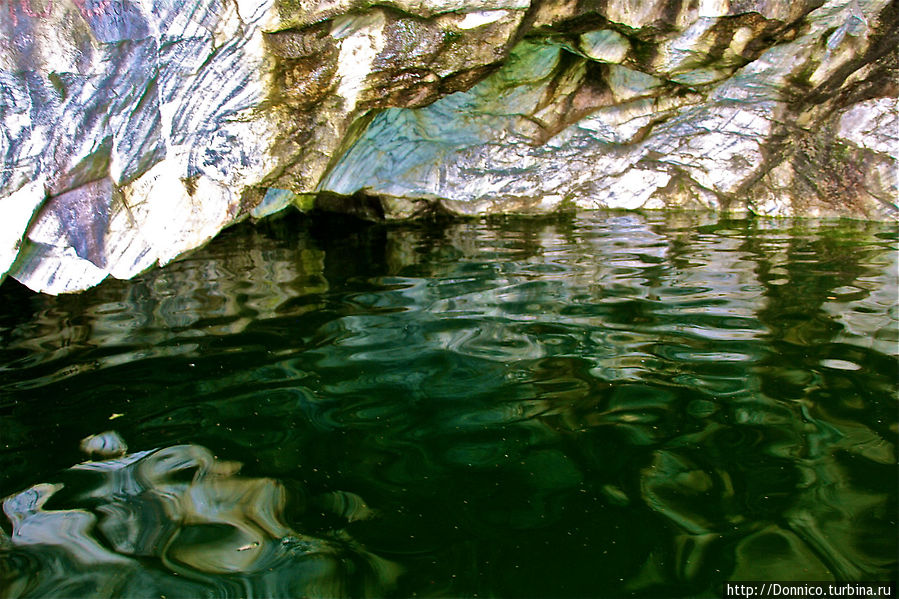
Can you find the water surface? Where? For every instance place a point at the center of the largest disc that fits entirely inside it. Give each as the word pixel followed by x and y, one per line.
pixel 598 406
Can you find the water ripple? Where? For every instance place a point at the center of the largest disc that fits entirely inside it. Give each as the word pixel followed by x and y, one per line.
pixel 646 405
pixel 178 522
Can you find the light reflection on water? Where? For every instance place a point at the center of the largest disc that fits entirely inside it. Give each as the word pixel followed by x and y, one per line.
pixel 601 406
pixel 213 532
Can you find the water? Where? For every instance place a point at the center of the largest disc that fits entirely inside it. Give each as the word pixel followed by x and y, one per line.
pixel 598 406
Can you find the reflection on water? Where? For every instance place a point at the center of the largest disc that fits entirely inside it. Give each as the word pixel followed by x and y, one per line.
pixel 184 510
pixel 603 406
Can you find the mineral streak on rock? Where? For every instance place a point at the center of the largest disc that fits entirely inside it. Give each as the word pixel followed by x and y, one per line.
pixel 135 130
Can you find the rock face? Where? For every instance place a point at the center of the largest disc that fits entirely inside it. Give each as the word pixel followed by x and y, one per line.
pixel 134 130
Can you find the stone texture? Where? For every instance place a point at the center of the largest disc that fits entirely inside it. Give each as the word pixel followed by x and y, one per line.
pixel 134 130
pixel 699 122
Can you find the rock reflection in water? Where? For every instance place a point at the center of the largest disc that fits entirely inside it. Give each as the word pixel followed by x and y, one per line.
pixel 608 405
pixel 173 522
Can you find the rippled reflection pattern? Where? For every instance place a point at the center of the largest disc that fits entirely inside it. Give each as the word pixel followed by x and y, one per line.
pixel 185 512
pixel 597 406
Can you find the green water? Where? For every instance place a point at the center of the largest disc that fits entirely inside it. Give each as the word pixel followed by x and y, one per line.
pixel 601 406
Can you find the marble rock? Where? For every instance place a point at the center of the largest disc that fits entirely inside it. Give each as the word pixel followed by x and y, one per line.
pixel 133 131
pixel 713 116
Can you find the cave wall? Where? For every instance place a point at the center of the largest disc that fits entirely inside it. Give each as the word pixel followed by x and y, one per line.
pixel 134 130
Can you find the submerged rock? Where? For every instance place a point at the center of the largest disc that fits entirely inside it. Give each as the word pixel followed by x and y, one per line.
pixel 135 130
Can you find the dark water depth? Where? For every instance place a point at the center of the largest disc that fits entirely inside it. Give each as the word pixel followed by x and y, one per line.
pixel 603 406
